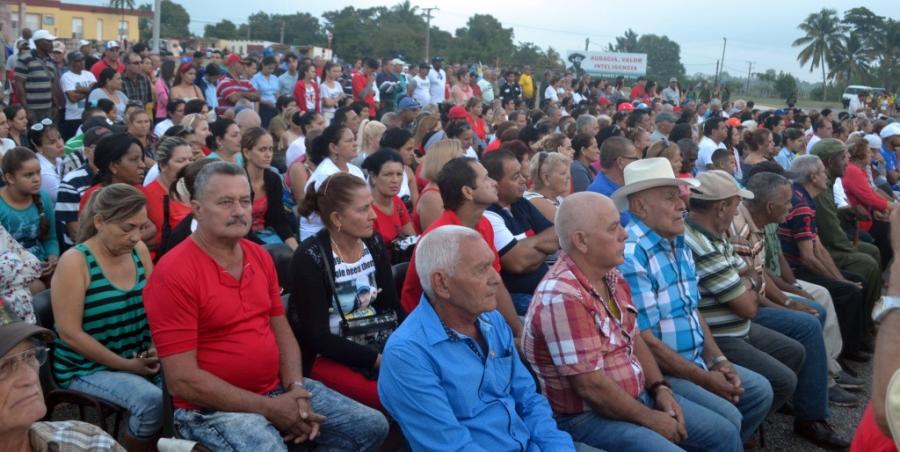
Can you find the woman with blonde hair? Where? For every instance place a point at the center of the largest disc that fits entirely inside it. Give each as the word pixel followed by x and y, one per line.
pixel 430 205
pixel 424 125
pixel 557 142
pixel 668 150
pixel 367 138
pixel 551 181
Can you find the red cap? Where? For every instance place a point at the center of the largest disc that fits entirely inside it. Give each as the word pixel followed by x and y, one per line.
pixel 677 109
pixel 458 112
pixel 625 106
pixel 603 101
pixel 733 122
pixel 231 59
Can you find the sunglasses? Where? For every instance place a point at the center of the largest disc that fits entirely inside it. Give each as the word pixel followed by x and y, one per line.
pixel 38 126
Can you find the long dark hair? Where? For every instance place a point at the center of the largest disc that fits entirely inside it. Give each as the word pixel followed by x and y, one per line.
pixel 12 162
pixel 320 146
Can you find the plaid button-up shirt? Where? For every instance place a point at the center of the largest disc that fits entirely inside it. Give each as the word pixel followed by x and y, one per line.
pixel 137 89
pixel 569 330
pixel 664 289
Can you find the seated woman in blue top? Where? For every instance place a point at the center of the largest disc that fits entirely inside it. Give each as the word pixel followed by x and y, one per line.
pixel 26 211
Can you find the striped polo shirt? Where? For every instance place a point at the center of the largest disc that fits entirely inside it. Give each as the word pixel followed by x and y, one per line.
pixel 718 270
pixel 38 75
pixel 113 316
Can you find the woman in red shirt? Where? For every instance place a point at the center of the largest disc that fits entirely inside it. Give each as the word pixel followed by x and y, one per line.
pixel 385 171
pixel 475 108
pixel 860 192
pixel 172 155
pixel 306 91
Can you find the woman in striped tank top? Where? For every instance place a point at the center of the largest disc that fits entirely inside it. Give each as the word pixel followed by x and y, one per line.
pixel 104 346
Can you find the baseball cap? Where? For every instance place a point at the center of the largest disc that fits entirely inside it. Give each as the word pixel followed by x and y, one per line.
pixel 437 59
pixel 673 79
pixel 890 130
pixel 398 61
pixel 59 46
pixel 213 69
pixel 603 101
pixel 84 42
pixel 14 332
pixel 112 45
pixel 827 147
pixel 232 59
pixel 42 34
pixel 642 106
pixel 408 103
pixel 94 134
pixel 749 124
pixel 96 121
pixel 75 56
pixel 733 122
pixel 458 112
pixel 625 106
pixel 716 185
pixel 874 141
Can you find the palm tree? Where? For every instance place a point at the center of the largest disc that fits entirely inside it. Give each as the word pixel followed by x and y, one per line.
pixel 627 43
pixel 851 58
pixel 823 30
pixel 121 5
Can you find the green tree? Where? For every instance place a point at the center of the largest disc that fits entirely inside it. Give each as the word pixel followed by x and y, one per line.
pixel 483 39
pixel 628 43
pixel 663 56
pixel 298 28
pixel 850 61
pixel 225 29
pixel 173 22
pixel 353 31
pixel 785 85
pixel 823 30
pixel 886 39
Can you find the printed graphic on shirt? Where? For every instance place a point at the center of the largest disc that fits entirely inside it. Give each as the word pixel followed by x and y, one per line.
pixel 356 289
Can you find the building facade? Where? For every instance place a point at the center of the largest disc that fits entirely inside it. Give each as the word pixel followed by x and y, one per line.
pixel 74 21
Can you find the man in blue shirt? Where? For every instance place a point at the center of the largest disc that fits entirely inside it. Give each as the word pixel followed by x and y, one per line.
pixel 450 374
pixel 615 154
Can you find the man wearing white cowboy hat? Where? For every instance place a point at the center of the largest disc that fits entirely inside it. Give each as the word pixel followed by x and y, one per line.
pixel 660 271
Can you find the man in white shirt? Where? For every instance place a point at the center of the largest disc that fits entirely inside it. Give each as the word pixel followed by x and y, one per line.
pixel 671 94
pixel 714 130
pixel 859 103
pixel 486 83
pixel 76 85
pixel 437 80
pixel 175 111
pixel 822 128
pixel 419 85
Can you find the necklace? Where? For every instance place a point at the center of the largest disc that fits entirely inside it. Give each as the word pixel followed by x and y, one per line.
pixel 337 250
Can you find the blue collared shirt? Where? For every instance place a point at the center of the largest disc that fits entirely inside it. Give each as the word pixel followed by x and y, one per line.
pixel 890 158
pixel 785 158
pixel 449 393
pixel 606 186
pixel 663 282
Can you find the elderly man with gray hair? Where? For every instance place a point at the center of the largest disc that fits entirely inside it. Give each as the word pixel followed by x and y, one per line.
pixel 581 336
pixel 587 124
pixel 450 374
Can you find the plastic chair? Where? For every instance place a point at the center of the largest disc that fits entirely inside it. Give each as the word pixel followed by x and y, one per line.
pixel 55 395
pixel 399 272
pixel 281 256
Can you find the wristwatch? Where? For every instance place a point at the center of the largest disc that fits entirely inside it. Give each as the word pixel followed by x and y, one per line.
pixel 718 359
pixel 886 304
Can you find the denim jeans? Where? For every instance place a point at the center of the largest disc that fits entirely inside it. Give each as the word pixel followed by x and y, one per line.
pixel 350 426
pixel 521 301
pixel 706 430
pixel 811 396
pixel 139 396
pixel 751 409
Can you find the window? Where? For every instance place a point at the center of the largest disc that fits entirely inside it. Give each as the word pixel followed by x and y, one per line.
pixel 33 21
pixel 49 20
pixel 123 29
pixel 77 28
pixel 99 29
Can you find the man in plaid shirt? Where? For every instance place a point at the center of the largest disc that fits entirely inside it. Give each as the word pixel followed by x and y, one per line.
pixel 660 271
pixel 581 336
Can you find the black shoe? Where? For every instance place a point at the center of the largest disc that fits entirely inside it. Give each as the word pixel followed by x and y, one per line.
pixel 838 396
pixel 857 356
pixel 821 434
pixel 847 381
pixel 847 368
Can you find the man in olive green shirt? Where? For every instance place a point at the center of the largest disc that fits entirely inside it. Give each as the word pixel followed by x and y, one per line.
pixel 862 258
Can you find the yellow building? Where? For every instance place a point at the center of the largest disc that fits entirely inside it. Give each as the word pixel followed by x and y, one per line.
pixel 74 21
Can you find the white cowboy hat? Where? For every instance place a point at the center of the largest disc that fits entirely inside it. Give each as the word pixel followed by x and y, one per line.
pixel 646 174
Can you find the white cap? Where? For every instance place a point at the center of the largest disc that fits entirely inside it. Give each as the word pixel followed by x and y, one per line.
pixel 84 42
pixel 112 45
pixel 398 61
pixel 890 130
pixel 42 34
pixel 874 141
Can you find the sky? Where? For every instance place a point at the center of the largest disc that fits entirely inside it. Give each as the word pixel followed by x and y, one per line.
pixel 760 32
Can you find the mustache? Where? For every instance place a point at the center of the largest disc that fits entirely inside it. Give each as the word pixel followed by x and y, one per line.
pixel 235 221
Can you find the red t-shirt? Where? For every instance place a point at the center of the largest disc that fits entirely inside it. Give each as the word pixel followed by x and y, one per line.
pixel 390 226
pixel 99 66
pixel 359 83
pixel 412 289
pixel 155 193
pixel 194 304
pixel 87 194
pixel 868 437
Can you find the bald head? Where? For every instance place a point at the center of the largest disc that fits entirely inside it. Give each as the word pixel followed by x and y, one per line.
pixel 247 119
pixel 571 218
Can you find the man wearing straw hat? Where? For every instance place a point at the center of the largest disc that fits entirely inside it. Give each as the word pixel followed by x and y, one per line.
pixel 660 271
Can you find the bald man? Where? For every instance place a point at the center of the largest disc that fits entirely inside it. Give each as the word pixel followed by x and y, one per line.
pixel 581 336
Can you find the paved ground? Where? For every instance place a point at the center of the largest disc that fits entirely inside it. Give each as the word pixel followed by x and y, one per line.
pixel 778 427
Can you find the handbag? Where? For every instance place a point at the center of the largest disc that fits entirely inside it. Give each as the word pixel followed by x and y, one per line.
pixel 372 331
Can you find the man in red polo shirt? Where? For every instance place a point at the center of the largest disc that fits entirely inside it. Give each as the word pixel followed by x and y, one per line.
pixel 364 84
pixel 110 60
pixel 231 361
pixel 233 90
pixel 466 191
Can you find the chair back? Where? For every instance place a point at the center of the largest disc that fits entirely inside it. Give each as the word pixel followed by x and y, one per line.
pixel 281 256
pixel 399 272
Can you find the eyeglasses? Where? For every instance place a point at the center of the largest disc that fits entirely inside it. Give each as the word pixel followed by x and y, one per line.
pixel 38 126
pixel 34 357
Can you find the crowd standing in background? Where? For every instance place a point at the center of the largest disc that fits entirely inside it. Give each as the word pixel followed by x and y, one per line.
pixel 469 257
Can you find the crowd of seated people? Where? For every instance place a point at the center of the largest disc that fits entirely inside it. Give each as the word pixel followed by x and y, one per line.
pixel 396 260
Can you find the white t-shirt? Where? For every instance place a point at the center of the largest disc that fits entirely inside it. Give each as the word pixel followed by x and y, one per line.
pixel 295 150
pixel 503 237
pixel 421 90
pixel 812 141
pixel 704 155
pixel 71 81
pixel 163 126
pixel 437 81
pixel 49 176
pixel 840 196
pixel 356 289
pixel 312 224
pixel 5 145
pixel 550 94
pixel 326 92
pixel 310 98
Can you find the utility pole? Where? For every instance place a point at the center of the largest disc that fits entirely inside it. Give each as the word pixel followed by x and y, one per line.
pixel 157 13
pixel 717 74
pixel 428 30
pixel 281 40
pixel 722 65
pixel 749 68
pixel 587 42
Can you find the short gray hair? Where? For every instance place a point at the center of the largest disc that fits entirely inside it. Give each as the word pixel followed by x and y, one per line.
pixel 439 251
pixel 571 218
pixel 583 122
pixel 765 187
pixel 213 169
pixel 805 166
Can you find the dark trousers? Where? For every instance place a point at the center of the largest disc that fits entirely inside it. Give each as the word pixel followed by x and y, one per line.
pixel 68 128
pixel 848 304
